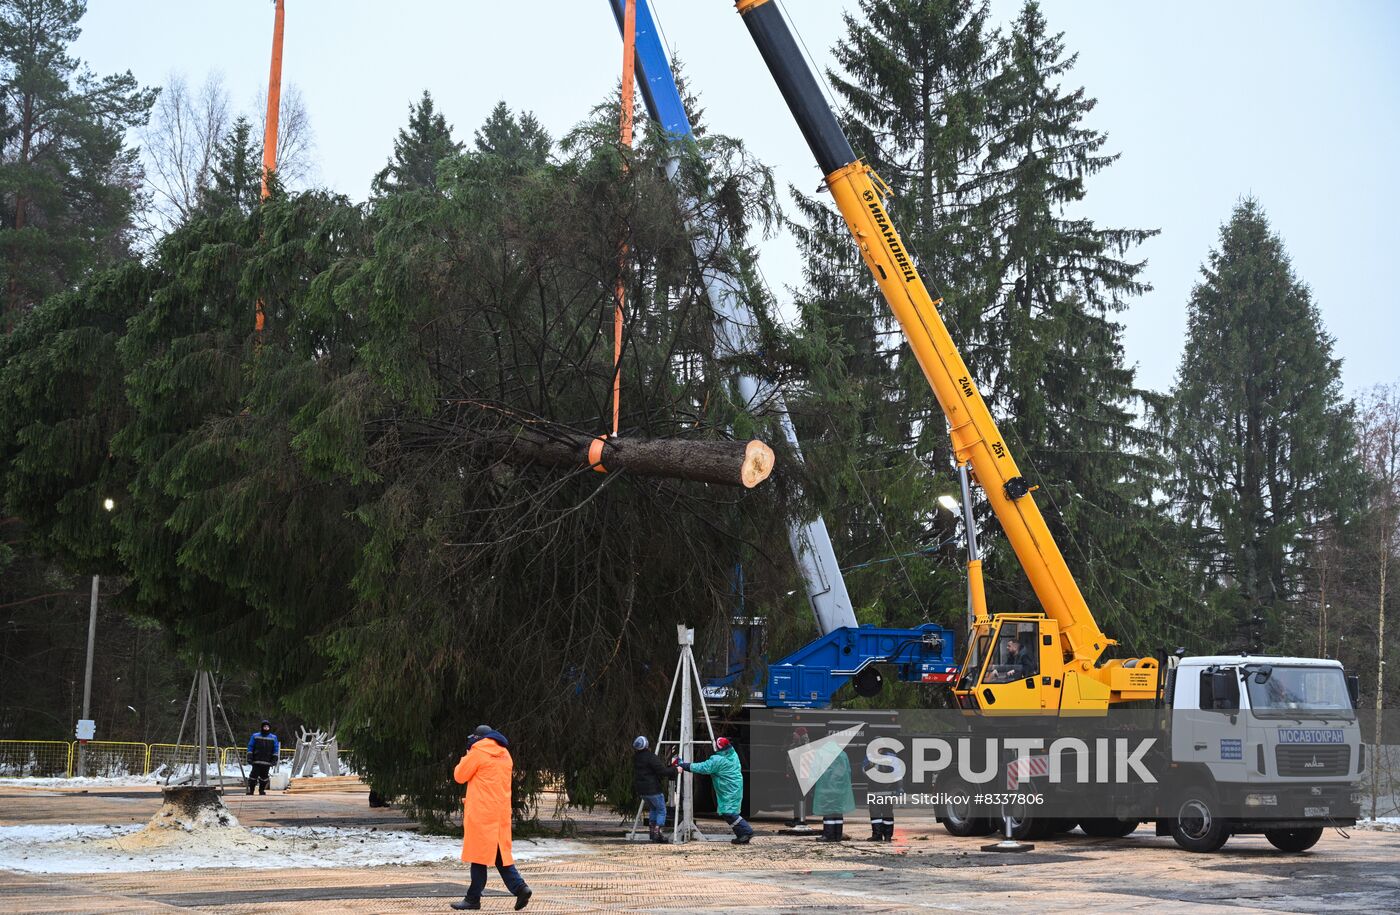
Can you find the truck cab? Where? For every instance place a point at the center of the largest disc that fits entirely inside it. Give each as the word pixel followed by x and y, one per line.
pixel 1261 745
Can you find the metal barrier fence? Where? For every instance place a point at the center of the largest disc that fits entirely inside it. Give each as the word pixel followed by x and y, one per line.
pixel 114 758
pixel 31 758
pixel 168 757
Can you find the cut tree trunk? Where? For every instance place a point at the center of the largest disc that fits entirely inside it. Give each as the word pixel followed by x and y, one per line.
pixel 727 463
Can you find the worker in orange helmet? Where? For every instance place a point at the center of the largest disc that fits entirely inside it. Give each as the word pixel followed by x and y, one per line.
pixel 486 771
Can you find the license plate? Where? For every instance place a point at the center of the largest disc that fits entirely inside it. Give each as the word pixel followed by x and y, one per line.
pixel 1316 811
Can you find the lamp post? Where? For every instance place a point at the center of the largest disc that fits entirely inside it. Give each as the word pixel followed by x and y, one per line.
pixel 108 504
pixel 975 595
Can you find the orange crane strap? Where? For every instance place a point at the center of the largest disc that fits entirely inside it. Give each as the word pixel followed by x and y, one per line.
pixel 629 63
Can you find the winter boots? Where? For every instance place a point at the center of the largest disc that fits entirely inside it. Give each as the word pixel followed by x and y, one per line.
pixel 882 830
pixel 658 836
pixel 468 904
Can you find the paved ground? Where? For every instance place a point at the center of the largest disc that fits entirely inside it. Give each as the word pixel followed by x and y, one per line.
pixel 924 870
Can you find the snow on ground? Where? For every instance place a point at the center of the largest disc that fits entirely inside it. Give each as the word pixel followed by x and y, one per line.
pixel 93 849
pixel 123 781
pixel 117 781
pixel 1384 824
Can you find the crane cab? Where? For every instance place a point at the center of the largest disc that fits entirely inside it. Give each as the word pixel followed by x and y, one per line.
pixel 1007 658
pixel 1016 664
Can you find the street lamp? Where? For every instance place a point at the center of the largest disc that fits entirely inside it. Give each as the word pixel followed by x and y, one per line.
pixel 975 598
pixel 86 730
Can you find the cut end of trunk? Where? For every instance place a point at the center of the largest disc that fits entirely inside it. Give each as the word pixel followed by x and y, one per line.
pixel 758 464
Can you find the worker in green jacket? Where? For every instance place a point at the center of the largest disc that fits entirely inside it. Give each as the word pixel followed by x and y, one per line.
pixel 727 776
pixel 832 798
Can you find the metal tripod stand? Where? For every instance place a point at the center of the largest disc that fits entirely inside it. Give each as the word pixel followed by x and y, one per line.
pixel 204 696
pixel 682 794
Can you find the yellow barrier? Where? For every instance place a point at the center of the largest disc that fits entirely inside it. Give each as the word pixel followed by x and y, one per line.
pixel 41 758
pixel 177 756
pixel 114 758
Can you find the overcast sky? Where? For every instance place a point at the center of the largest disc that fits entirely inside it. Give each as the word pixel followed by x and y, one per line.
pixel 1297 103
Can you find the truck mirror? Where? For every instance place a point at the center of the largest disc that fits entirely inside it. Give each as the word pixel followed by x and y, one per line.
pixel 1224 690
pixel 1354 689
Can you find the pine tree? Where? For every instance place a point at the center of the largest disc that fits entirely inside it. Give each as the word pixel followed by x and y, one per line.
pixel 1052 349
pixel 236 179
pixel 913 78
pixel 317 508
pixel 520 140
pixel 985 152
pixel 418 149
pixel 69 181
pixel 915 93
pixel 1263 436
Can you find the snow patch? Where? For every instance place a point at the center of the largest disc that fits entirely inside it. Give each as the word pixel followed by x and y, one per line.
pixel 100 849
pixel 122 781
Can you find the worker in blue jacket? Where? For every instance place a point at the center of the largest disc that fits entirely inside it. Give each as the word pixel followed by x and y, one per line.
pixel 263 753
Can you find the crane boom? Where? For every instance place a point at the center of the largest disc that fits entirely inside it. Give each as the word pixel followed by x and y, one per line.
pixel 735 326
pixel 860 197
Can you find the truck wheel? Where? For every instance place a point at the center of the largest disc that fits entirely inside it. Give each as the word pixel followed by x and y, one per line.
pixel 1293 839
pixel 1198 826
pixel 957 818
pixel 1108 827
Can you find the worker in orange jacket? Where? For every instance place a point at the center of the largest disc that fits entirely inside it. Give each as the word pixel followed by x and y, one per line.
pixel 486 771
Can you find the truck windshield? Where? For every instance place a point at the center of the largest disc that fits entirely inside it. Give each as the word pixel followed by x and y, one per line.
pixel 1299 692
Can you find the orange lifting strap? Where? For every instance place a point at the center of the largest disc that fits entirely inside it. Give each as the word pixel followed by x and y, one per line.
pixel 629 43
pixel 274 109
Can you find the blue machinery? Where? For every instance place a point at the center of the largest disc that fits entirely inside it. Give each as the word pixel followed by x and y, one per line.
pixel 845 652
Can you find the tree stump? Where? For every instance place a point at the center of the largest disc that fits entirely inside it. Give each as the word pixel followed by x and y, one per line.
pixel 191 814
pixel 192 807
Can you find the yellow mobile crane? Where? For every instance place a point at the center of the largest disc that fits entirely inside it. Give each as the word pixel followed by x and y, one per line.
pixel 1057 668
